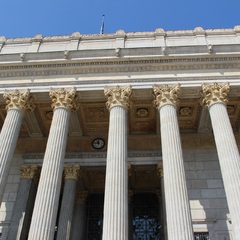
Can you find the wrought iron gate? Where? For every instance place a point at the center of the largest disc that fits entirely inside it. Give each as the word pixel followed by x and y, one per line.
pixel 94 217
pixel 146 217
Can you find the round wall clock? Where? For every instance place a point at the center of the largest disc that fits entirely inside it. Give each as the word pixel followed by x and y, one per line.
pixel 98 143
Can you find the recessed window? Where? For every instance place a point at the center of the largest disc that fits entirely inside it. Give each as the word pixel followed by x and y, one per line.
pixel 201 236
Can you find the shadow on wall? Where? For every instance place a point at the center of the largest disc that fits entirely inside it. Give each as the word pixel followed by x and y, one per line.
pixel 9 197
pixel 206 194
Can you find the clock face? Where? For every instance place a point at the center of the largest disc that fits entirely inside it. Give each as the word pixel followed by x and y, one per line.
pixel 98 143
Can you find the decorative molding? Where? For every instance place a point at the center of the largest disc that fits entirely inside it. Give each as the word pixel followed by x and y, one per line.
pixel 28 171
pixel 19 100
pixel 118 96
pixel 165 95
pixel 107 66
pixel 71 171
pixel 64 98
pixel 93 155
pixel 213 93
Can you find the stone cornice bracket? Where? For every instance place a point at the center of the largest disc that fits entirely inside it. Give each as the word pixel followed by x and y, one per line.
pixel 160 170
pixel 19 100
pixel 66 54
pixel 22 56
pixel 214 93
pixel 81 197
pixel 64 98
pixel 118 96
pixel 165 95
pixel 71 171
pixel 29 171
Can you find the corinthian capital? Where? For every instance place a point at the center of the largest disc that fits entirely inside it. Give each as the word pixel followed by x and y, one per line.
pixel 71 171
pixel 118 96
pixel 165 95
pixel 64 98
pixel 213 93
pixel 28 171
pixel 19 100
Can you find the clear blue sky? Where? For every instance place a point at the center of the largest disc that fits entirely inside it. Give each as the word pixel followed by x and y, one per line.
pixel 25 18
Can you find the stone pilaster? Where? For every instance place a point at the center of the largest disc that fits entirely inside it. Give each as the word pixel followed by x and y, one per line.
pixel 115 221
pixel 46 204
pixel 23 206
pixel 71 172
pixel 215 98
pixel 79 217
pixel 179 222
pixel 17 103
pixel 161 196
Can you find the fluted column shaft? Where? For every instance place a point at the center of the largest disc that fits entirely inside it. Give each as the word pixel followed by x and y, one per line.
pixel 79 217
pixel 8 141
pixel 68 200
pixel 161 196
pixel 227 149
pixel 179 222
pixel 115 221
pixel 23 207
pixel 17 103
pixel 46 204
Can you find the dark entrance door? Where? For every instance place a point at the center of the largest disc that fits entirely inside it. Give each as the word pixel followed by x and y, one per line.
pixel 94 217
pixel 146 217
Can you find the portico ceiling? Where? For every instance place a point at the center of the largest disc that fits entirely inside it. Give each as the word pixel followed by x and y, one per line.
pixel 92 118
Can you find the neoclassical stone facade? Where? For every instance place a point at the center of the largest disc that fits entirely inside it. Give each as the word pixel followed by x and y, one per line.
pixel 121 136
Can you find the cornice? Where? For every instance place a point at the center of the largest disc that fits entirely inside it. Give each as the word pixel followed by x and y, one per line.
pixel 220 31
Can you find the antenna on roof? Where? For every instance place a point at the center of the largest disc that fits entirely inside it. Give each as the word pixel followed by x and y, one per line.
pixel 102 26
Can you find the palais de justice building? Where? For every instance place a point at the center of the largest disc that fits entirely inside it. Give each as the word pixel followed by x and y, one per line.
pixel 123 136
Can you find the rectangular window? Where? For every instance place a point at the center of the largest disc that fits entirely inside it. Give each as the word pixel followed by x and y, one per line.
pixel 201 236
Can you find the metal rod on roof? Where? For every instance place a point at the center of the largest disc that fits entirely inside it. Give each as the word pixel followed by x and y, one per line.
pixel 102 26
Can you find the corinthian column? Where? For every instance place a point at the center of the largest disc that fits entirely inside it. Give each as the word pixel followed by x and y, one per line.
pixel 215 98
pixel 23 206
pixel 17 103
pixel 46 204
pixel 179 223
pixel 115 221
pixel 71 172
pixel 79 217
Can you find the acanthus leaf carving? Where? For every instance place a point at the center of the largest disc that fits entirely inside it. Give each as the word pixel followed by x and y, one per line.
pixel 71 171
pixel 165 95
pixel 118 96
pixel 28 171
pixel 19 99
pixel 213 93
pixel 64 98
